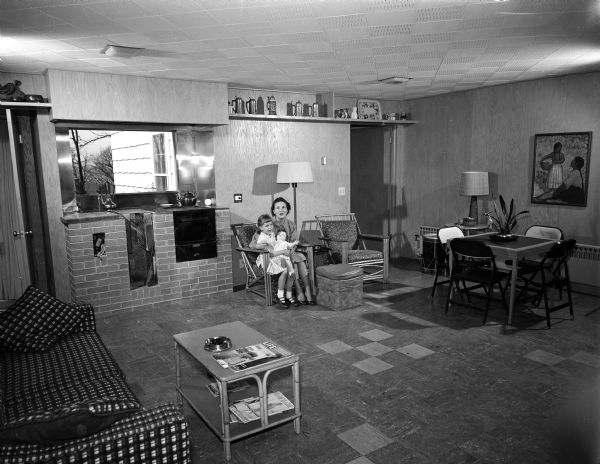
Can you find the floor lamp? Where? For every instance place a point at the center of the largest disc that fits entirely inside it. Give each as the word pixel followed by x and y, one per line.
pixel 294 173
pixel 474 184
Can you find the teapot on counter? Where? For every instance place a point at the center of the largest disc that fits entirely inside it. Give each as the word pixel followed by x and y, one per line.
pixel 187 199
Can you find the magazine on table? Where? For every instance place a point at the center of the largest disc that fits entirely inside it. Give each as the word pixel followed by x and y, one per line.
pixel 248 410
pixel 250 356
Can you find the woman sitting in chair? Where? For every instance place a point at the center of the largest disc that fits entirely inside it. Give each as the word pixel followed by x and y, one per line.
pixel 280 208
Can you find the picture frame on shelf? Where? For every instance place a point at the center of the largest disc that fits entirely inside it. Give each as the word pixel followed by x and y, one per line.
pixel 368 109
pixel 561 168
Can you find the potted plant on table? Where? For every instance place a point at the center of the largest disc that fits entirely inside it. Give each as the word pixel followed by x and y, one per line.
pixel 504 220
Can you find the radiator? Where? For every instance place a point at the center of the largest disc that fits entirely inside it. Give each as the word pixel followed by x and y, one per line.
pixel 584 269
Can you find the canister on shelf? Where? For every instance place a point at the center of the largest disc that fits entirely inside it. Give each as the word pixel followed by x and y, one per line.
pixel 298 108
pixel 316 110
pixel 271 105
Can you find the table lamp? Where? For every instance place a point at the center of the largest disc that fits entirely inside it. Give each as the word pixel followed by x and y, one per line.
pixel 298 172
pixel 474 184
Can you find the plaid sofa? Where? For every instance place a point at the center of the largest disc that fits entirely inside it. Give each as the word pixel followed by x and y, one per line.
pixel 64 399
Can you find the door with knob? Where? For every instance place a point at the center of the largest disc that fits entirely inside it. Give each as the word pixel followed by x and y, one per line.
pixel 23 245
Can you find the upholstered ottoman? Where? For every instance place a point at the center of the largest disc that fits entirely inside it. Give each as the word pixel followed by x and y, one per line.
pixel 339 286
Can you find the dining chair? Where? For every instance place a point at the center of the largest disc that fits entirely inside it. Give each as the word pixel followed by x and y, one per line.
pixel 346 244
pixel 549 232
pixel 538 231
pixel 444 234
pixel 473 261
pixel 552 271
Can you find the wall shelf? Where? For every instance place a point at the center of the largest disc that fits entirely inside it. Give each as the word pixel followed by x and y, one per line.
pixel 353 122
pixel 25 105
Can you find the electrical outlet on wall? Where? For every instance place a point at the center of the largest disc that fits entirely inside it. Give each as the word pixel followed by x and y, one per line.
pixel 341 191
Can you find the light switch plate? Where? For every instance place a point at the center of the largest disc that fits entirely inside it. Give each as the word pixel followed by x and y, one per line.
pixel 341 191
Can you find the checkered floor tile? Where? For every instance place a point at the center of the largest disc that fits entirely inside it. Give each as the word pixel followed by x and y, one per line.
pixel 415 351
pixel 365 439
pixel 334 347
pixel 375 335
pixel 586 358
pixel 374 349
pixel 544 357
pixel 372 365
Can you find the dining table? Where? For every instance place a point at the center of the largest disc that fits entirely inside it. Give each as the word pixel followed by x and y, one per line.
pixel 519 248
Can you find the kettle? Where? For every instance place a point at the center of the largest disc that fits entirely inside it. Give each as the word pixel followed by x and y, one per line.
pixel 251 106
pixel 238 105
pixel 188 199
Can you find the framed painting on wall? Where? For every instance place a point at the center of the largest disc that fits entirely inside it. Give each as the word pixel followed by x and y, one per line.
pixel 561 168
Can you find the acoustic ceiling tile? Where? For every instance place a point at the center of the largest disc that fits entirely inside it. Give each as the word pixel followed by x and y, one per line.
pixel 167 37
pixel 395 50
pixel 476 34
pixel 314 48
pixel 293 9
pixel 319 56
pixel 284 57
pixel 276 50
pixel 443 37
pixel 162 7
pixel 143 25
pixel 225 42
pixel 438 27
pixel 305 37
pixel 358 33
pixel 342 22
pixel 443 13
pixel 265 40
pixel 392 30
pixel 469 44
pixel 297 25
pixel 246 14
pixel 120 10
pixel 458 60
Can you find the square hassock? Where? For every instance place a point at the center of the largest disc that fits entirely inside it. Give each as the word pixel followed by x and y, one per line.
pixel 339 286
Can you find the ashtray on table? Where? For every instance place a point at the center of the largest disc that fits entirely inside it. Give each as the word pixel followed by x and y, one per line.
pixel 217 344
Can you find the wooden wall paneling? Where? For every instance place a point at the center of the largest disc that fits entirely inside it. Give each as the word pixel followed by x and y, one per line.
pixel 53 205
pixel 86 96
pixel 32 84
pixel 492 129
pixel 246 157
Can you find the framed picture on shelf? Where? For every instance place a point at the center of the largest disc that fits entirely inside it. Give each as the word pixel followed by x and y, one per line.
pixel 368 109
pixel 561 164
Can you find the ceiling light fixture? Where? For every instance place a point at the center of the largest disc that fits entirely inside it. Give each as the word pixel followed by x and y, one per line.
pixel 395 80
pixel 119 51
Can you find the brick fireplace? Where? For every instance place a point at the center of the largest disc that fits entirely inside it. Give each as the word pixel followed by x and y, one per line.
pixel 103 279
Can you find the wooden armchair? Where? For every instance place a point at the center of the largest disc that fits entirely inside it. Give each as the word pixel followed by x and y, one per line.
pixel 257 281
pixel 342 236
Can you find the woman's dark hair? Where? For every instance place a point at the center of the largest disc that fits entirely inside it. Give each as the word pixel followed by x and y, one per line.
pixel 580 162
pixel 280 200
pixel 557 145
pixel 263 218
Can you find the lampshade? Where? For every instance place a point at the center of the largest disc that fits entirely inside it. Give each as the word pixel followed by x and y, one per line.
pixel 294 173
pixel 474 183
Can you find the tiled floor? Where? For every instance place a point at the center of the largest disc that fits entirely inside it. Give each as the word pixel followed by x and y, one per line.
pixel 396 380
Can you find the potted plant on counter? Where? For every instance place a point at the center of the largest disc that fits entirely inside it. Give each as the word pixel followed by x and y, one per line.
pixel 503 220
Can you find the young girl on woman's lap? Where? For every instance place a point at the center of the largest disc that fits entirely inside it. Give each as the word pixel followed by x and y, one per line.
pixel 266 240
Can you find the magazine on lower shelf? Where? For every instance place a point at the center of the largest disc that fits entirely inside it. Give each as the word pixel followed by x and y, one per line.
pixel 250 356
pixel 248 410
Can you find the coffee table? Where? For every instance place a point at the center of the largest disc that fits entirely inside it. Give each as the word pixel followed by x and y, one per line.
pixel 215 411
